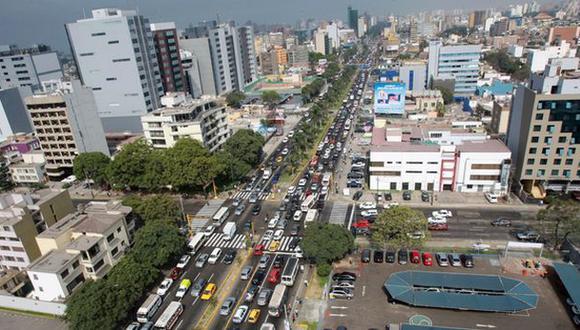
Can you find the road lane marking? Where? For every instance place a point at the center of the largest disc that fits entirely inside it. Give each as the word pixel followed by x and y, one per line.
pixel 178 324
pixel 364 290
pixel 338 307
pixel 337 315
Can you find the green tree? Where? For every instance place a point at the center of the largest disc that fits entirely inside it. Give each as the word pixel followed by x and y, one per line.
pixel 234 168
pixel 559 219
pixel 245 145
pixel 130 165
pixel 446 94
pixel 183 164
pixel 154 207
pixel 326 243
pixel 271 98
pixel 158 243
pixel 5 178
pixel 394 226
pixel 235 98
pixel 92 165
pixel 95 306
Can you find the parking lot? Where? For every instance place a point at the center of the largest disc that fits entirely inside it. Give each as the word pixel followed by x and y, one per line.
pixel 371 301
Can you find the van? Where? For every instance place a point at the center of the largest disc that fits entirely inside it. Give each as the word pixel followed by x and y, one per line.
pixel 491 197
pixel 214 256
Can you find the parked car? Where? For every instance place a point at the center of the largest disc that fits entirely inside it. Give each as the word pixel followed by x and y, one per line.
pixel 198 287
pixel 442 259
pixel 340 293
pixel 390 256
pixel 366 256
pixel 403 256
pixel 491 197
pixel 378 256
pixel 467 260
pixel 357 195
pixel 344 276
pixel 427 259
pixel 368 206
pixel 528 235
pixel 388 196
pixel 227 306
pixel 501 222
pixel 424 196
pixel 454 259
pixel 442 214
pixel 369 213
pixel 407 195
pixel 415 257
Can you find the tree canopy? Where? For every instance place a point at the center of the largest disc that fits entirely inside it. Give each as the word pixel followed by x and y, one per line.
pixel 501 61
pixel 394 226
pixel 130 166
pixel 158 242
pixel 270 97
pixel 446 94
pixel 245 145
pixel 325 243
pixel 234 99
pixel 154 207
pixel 92 165
pixel 560 218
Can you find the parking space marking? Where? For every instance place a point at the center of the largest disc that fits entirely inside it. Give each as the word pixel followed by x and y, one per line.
pixel 364 290
pixel 338 307
pixel 337 315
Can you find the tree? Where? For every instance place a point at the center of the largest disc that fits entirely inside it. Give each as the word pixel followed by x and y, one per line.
pixel 325 243
pixel 394 226
pixel 130 165
pixel 446 94
pixel 183 164
pixel 234 169
pixel 93 166
pixel 5 178
pixel 501 61
pixel 314 57
pixel 153 208
pixel 245 145
pixel 158 243
pixel 235 98
pixel 560 218
pixel 270 98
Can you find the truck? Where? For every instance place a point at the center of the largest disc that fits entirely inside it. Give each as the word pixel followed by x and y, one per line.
pixel 229 230
pixel 266 174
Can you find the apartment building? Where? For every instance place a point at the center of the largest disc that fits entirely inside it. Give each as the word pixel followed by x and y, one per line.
pixel 115 56
pixel 437 159
pixel 166 43
pixel 202 119
pixel 20 143
pixel 31 169
pixel 560 76
pixel 66 124
pixel 457 62
pixel 28 67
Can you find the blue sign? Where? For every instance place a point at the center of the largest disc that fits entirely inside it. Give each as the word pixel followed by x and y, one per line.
pixel 390 98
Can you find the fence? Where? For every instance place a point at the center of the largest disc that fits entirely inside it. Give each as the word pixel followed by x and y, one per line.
pixel 31 305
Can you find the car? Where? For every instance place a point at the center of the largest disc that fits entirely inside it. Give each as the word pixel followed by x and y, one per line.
pixel 216 253
pixel 424 196
pixel 252 290
pixel 274 246
pixel 183 287
pixel 291 190
pixel 272 223
pixel 479 246
pixel 436 220
pixel 253 198
pixel 415 257
pixel 527 235
pixel 254 316
pixel 344 276
pixel 264 260
pixel 282 223
pixel 378 256
pixel 278 234
pixel 302 182
pixel 285 139
pixel 369 213
pixel 175 273
pixel 354 184
pixel 407 195
pixel 295 230
pixel 208 292
pixel 442 214
pixel 240 209
pixel 237 201
pixel 297 215
pixel 264 297
pixel 229 257
pixel 357 195
pixel 467 260
pixel 314 187
pixel 454 259
pixel 256 209
pixel 491 197
pixel 246 272
pixel 133 326
pixel 388 196
pixel 501 222
pixel 278 261
pixel 279 159
pixel 390 257
pixel 442 259
pixel 366 256
pixel 227 306
pixel 209 230
pixel 340 293
pixel 427 259
pixel 284 151
pixel 259 250
pixel 294 243
pixel 268 235
pixel 368 206
pixel 403 256
pixel 240 314
pixel 198 287
pixel 391 205
pixel 274 277
pixel 437 226
pixel 259 277
pixel 183 261
pixel 416 235
pixel 147 326
pixel 164 287
pixel 343 284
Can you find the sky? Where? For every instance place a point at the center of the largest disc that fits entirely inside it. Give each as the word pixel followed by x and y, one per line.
pixel 28 22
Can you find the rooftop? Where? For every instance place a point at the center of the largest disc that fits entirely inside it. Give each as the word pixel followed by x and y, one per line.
pixel 491 145
pixel 52 262
pixel 83 243
pixel 98 223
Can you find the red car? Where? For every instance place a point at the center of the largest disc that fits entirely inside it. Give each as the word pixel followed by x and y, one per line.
pixel 438 226
pixel 175 273
pixel 361 224
pixel 259 250
pixel 427 259
pixel 274 276
pixel 415 257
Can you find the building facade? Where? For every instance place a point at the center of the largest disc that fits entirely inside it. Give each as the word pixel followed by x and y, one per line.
pixel 30 170
pixel 414 75
pixel 166 43
pixel 28 67
pixel 14 118
pixel 198 67
pixel 458 62
pixel 115 56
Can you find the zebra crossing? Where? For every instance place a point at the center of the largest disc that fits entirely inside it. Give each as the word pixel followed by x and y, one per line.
pixel 284 244
pixel 246 194
pixel 217 240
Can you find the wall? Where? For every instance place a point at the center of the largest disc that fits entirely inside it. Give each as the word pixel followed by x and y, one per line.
pixel 400 163
pixel 32 305
pixel 14 117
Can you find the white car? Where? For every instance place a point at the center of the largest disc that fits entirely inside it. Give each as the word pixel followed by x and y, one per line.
pixel 284 151
pixel 268 235
pixel 369 213
pixel 368 205
pixel 491 197
pixel 164 287
pixel 297 215
pixel 481 246
pixel 209 230
pixel 391 204
pixel 436 220
pixel 240 314
pixel 214 256
pixel 285 139
pixel 278 234
pixel 359 164
pixel 272 223
pixel 302 182
pixel 291 190
pixel 442 214
pixel 324 190
pixel 183 261
pixel 290 134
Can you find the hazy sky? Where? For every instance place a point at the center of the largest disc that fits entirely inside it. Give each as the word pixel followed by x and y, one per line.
pixel 27 22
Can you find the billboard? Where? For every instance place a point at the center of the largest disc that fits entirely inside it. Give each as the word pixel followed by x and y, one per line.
pixel 389 98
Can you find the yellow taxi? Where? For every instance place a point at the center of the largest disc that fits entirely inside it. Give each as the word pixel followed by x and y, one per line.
pixel 254 315
pixel 274 246
pixel 208 291
pixel 279 159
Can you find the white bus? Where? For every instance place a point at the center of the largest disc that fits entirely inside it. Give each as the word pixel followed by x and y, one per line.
pixel 170 316
pixel 195 243
pixel 290 271
pixel 149 307
pixel 277 301
pixel 221 215
pixel 308 202
pixel 311 216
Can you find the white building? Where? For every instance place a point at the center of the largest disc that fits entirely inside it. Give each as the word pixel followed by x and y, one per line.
pixel 28 67
pixel 202 119
pixel 320 43
pixel 115 56
pixel 31 169
pixel 538 58
pixel 333 35
pixel 561 76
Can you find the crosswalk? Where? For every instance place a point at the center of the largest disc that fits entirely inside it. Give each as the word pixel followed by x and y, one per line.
pixel 284 244
pixel 246 194
pixel 217 240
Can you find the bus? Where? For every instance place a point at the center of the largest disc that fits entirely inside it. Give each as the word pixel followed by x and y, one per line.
pixel 311 216
pixel 170 316
pixel 149 307
pixel 195 243
pixel 290 271
pixel 277 301
pixel 221 215
pixel 308 202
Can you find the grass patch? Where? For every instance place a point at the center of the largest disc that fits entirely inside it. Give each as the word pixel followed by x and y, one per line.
pixel 30 313
pixel 322 280
pixel 309 325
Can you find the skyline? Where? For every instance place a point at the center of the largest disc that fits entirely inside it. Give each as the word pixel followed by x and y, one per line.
pixel 50 16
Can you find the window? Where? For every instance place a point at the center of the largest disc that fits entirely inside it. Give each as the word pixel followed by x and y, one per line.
pixel 554 172
pixel 111 78
pixel 485 177
pixel 113 42
pixel 532 151
pixel 121 60
pixel 531 161
pixel 539 116
pixel 562 139
pixel 546 151
pixel 543 161
pixel 566 173
pixel 557 161
pixel 64 273
pixel 541 173
pixel 40 289
pixel 75 264
pixel 419 163
pixel 537 128
pixel 550 128
pixel 377 164
pixel 535 139
pixel 486 167
pixel 86 54
pixel 548 140
pixel 569 161
pixel 97 34
pixel 110 237
pixel 529 172
pixel 6 228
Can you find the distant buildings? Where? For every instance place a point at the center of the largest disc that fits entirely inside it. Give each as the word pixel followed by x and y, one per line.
pixel 321 42
pixel 352 18
pixel 115 56
pixel 457 62
pixel 28 67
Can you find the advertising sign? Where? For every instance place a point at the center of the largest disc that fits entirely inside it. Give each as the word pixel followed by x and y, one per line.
pixel 389 98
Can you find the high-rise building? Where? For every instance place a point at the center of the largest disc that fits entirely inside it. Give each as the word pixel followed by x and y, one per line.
pixel 413 32
pixel 361 27
pixel 13 115
pixel 115 56
pixel 248 69
pixel 298 56
pixel 197 62
pixel 66 124
pixel 333 35
pixel 352 17
pixel 457 62
pixel 477 18
pixel 321 42
pixel 167 49
pixel 276 39
pixel 28 67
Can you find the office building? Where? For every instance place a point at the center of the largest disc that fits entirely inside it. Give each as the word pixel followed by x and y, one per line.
pixel 169 62
pixel 352 18
pixel 414 75
pixel 66 124
pixel 202 119
pixel 477 18
pixel 115 56
pixel 28 67
pixel 458 62
pixel 198 68
pixel 14 118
